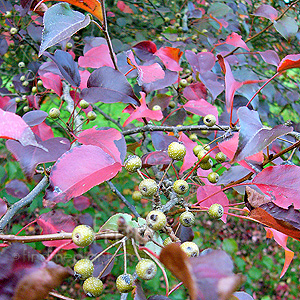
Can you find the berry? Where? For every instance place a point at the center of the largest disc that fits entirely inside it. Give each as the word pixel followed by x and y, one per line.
pixel 206 147
pixel 83 269
pixel 216 211
pixel 8 14
pixel 156 108
pixel 18 99
pixel 178 16
pixel 213 177
pixel 180 187
pixel 148 187
pixel 93 287
pixel 190 249
pixel 204 132
pixel 91 115
pixel 25 83
pixel 34 89
pixel 13 30
pixel 124 283
pixel 187 219
pixel 69 45
pixel 83 235
pixel 22 78
pixel 193 137
pixel 183 83
pixel 176 25
pixel 207 165
pixel 76 38
pixel 156 220
pixel 146 269
pixel 196 149
pixel 40 83
pixel 160 39
pixel 21 64
pixel 26 108
pixel 220 157
pixel 194 37
pixel 54 113
pixel 209 120
pixel 137 196
pixel 172 104
pixel 167 241
pixel 24 97
pixel 176 151
pixel 203 156
pixel 133 163
pixel 167 19
pixel 83 104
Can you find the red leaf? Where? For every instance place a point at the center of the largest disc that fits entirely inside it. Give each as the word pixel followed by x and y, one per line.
pixel 124 8
pixel 96 57
pixel 54 222
pixel 266 11
pixel 143 112
pixel 195 91
pixel 52 82
pixel 147 46
pixel 201 108
pixel 235 40
pixel 84 75
pixel 189 158
pixel 289 62
pixel 170 57
pixel 4 101
pixel 43 131
pixel 281 183
pixel 3 207
pixel 81 202
pixel 86 167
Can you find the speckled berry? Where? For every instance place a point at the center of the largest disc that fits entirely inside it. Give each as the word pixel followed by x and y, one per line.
pixel 156 108
pixel 220 157
pixel 124 283
pixel 183 83
pixel 83 269
pixel 213 177
pixel 190 248
pixel 133 163
pixel 196 149
pixel 148 187
pixel 209 120
pixel 83 235
pixel 216 211
pixel 137 196
pixel 13 30
pixel 54 113
pixel 203 156
pixel 156 220
pixel 146 269
pixel 93 287
pixel 176 151
pixel 21 64
pixel 187 219
pixel 180 187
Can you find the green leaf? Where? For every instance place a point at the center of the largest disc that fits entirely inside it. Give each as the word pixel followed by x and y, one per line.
pixel 268 262
pixel 153 247
pixel 112 222
pixel 254 273
pixel 219 10
pixel 230 246
pixel 286 26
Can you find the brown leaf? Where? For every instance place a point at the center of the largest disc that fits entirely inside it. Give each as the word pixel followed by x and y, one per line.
pixel 254 198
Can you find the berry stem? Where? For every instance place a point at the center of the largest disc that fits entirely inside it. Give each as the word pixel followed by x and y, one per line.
pixel 125 254
pixel 57 250
pixel 175 288
pixel 135 249
pixel 141 174
pixel 164 175
pixel 26 226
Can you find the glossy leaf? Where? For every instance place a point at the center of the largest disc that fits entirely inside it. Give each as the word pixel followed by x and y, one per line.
pixel 95 167
pixel 43 131
pixel 266 11
pixel 201 62
pixel 52 82
pixel 61 22
pixel 212 83
pixel 145 50
pixel 109 86
pixel 169 79
pixel 289 62
pixel 17 188
pixel 286 26
pixel 170 57
pixel 201 108
pixel 219 9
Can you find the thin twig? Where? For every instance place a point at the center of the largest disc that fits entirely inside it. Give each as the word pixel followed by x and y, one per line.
pixel 54 294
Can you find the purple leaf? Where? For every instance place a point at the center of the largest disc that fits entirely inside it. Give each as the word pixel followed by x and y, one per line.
pixel 176 118
pixel 169 79
pixel 101 262
pixel 185 234
pixel 17 188
pixel 161 141
pixel 158 297
pixel 266 11
pixel 270 57
pixel 201 62
pixel 162 100
pixel 30 156
pixel 87 165
pixel 86 219
pixel 210 80
pixel 145 50
pixel 34 117
pixel 253 137
pixel 201 108
pixel 195 91
pixel 3 46
pixel 242 296
pixel 139 292
pixel 109 86
pixel 155 158
pixel 81 203
pixel 287 27
pixel 3 207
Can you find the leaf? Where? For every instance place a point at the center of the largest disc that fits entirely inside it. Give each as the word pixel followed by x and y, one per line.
pixel 255 199
pixel 162 100
pixel 110 140
pixel 270 57
pixel 287 27
pixel 219 10
pixel 54 222
pixel 281 183
pixel 17 188
pixel 235 40
pixel 124 8
pixel 30 156
pixel 139 292
pixel 201 108
pixel 242 296
pixel 143 112
pixel 161 141
pixel 61 22
pixel 169 79
pixel 108 85
pixel 211 82
pixel 112 222
pixel 253 137
pixel 3 207
pixel 176 118
pixel 95 167
pixel 14 127
pixel 170 57
pixel 189 158
pixel 201 62
pixel 43 131
pixel 158 297
pixel 230 246
pixel 195 91
pixel 266 11
pixel 67 66
pixel 155 158
pixel 34 117
pixel 145 50
pixel 289 62
pixel 101 262
pixel 81 203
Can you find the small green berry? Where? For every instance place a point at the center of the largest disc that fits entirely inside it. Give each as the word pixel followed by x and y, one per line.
pixel 176 25
pixel 34 89
pixel 83 235
pixel 22 46
pixel 69 45
pixel 137 196
pixel 220 157
pixel 176 151
pixel 13 30
pixel 190 248
pixel 26 108
pixel 187 219
pixel 40 83
pixel 183 83
pixel 213 177
pixel 178 16
pixel 84 104
pixel 216 211
pixel 25 83
pixel 193 137
pixel 146 269
pixel 167 241
pixel 206 147
pixel 8 14
pixel 83 269
pixel 203 156
pixel 148 187
pixel 91 115
pixel 209 120
pixel 24 98
pixel 54 113
pixel 194 37
pixel 172 104
pixel 124 283
pixel 21 64
pixel 93 287
pixel 160 39
pixel 196 149
pixel 133 163
pixel 76 38
pixel 156 108
pixel 204 131
pixel 18 99
pixel 180 187
pixel 167 19
pixel 156 220
pixel 205 166
pixel 22 78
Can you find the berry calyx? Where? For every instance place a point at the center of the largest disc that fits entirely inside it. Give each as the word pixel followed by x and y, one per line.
pixel 203 156
pixel 156 220
pixel 187 219
pixel 146 269
pixel 180 187
pixel 54 113
pixel 124 283
pixel 93 287
pixel 176 151
pixel 137 196
pixel 220 157
pixel 209 120
pixel 190 249
pixel 133 163
pixel 216 211
pixel 84 104
pixel 83 269
pixel 213 177
pixel 83 235
pixel 148 187
pixel 91 115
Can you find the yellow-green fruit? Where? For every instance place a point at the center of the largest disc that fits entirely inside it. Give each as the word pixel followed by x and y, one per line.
pixel 203 156
pixel 178 16
pixel 172 104
pixel 13 30
pixel 21 64
pixel 190 248
pixel 83 269
pixel 34 89
pixel 8 14
pixel 137 196
pixel 93 287
pixel 220 157
pixel 187 219
pixel 183 83
pixel 18 99
pixel 167 19
pixel 205 166
pixel 54 113
pixel 216 211
pixel 209 120
pixel 133 163
pixel 84 104
pixel 26 108
pixel 193 137
pixel 91 115
pixel 206 147
pixel 146 269
pixel 167 241
pixel 196 149
pixel 180 187
pixel 156 108
pixel 83 235
pixel 148 187
pixel 25 83
pixel 40 83
pixel 124 283
pixel 213 177
pixel 69 45
pixel 156 220
pixel 176 151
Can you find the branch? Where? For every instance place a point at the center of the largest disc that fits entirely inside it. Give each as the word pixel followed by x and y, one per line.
pixel 23 202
